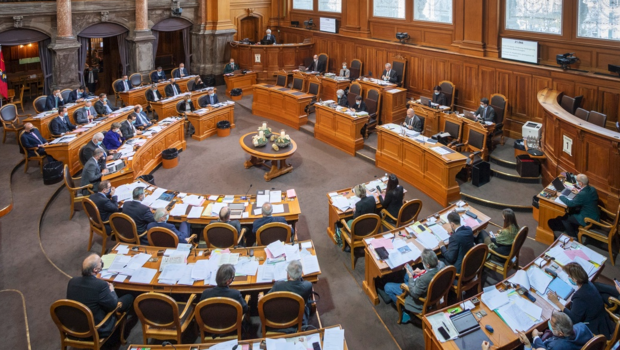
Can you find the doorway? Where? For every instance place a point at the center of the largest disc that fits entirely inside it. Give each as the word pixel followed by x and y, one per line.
pixel 249 29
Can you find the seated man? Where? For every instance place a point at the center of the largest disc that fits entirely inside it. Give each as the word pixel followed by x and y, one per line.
pixel 565 335
pixel 128 130
pixel 172 89
pixel 269 36
pixel 225 218
pixel 139 213
pixel 231 66
pixel 106 202
pixel 267 209
pixel 54 100
pixel 77 95
pixel 89 148
pixel 142 120
pixel 153 95
pixel 92 173
pixel 32 138
pixel 86 114
pixel 158 75
pixel 485 112
pixel 389 74
pixel 161 220
pixel 587 200
pixel 439 97
pixel 417 282
pixel 188 106
pixel 61 124
pixel 123 84
pixel 359 106
pixel 98 295
pixel 317 65
pixel 224 277
pixel 295 284
pixel 211 99
pixel 181 72
pixel 461 241
pixel 342 99
pixel 413 122
pixel 102 106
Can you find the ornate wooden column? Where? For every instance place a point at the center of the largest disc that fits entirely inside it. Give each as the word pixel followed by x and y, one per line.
pixel 355 15
pixel 469 26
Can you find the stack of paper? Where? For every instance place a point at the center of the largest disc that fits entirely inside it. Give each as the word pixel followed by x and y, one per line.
pixel 194 200
pixel 493 298
pixel 539 280
pixel 275 196
pixel 179 209
pixel 195 213
pixel 246 267
pixel 143 275
pixel 587 266
pixel 333 339
pixel 341 202
pixel 428 240
pixel 515 318
pixel 440 232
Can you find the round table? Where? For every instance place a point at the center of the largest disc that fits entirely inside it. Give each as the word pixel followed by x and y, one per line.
pixel 261 155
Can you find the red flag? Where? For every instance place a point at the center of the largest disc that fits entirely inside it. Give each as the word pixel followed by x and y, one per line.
pixel 3 81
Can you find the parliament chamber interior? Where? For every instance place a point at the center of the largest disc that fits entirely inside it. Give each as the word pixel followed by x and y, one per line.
pixel 310 174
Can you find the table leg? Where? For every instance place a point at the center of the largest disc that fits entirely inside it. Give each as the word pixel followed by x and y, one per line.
pixel 254 161
pixel 369 280
pixel 278 168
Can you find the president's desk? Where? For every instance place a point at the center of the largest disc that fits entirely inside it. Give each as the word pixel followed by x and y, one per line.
pixel 137 96
pixel 339 129
pixel 416 163
pixel 205 120
pixel 243 81
pixel 281 104
pixel 266 60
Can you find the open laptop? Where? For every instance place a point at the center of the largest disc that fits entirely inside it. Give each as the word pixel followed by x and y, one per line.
pixel 469 115
pixel 236 210
pixel 425 101
pixel 302 67
pixel 559 186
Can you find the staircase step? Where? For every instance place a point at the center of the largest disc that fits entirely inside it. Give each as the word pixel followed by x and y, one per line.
pixel 495 194
pixel 367 155
pixel 308 129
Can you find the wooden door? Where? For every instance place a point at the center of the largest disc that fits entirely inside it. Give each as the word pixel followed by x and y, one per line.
pixel 249 29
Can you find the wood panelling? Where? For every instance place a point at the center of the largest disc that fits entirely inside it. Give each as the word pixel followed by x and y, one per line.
pixel 259 11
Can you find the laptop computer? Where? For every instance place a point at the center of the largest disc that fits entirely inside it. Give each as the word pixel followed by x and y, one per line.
pixel 302 67
pixel 236 210
pixel 559 186
pixel 425 101
pixel 469 115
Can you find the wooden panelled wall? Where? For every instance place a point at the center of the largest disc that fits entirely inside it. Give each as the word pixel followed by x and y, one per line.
pixel 259 9
pixel 474 77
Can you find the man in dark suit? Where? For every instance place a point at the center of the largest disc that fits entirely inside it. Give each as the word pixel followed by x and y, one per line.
pixel 187 105
pixel 153 95
pixel 389 74
pixel 586 201
pixel 54 100
pixel 269 36
pixel 140 213
pixel 295 284
pixel 123 84
pixel 161 218
pixel 461 241
pixel 224 277
pixel 89 149
pixel 32 138
pixel 439 97
pixel 172 89
pixel 317 65
pixel 158 75
pixel 77 95
pixel 128 129
pixel 230 67
pixel 91 174
pixel 181 72
pixel 212 98
pixel 61 124
pixel 106 202
pixel 85 114
pixel 91 78
pixel 98 295
pixel 225 218
pixel 485 112
pixel 342 99
pixel 413 122
pixel 142 120
pixel 103 107
pixel 359 105
pixel 267 209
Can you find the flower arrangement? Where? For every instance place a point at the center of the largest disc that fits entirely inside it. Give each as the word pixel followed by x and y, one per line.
pixel 259 140
pixel 282 140
pixel 266 130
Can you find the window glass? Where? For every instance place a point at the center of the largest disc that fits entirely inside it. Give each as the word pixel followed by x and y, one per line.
pixel 330 5
pixel 303 5
pixel 599 19
pixel 389 8
pixel 433 11
pixel 541 16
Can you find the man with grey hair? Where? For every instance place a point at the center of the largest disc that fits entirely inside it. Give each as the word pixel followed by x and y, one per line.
pixel 98 295
pixel 413 122
pixel 418 282
pixel 86 114
pixel 106 202
pixel 161 220
pixel 269 36
pixel 389 74
pixel 225 218
pixel 267 209
pixel 96 142
pixel 586 199
pixel 139 213
pixel 564 335
pixel 224 277
pixel 92 173
pixel 342 99
pixel 295 284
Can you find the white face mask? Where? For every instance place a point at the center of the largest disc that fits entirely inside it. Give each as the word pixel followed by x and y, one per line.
pixel 344 67
pixel 481 105
pixel 358 102
pixel 436 93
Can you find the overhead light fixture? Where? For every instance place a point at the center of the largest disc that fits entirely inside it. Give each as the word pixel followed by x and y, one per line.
pixel 402 37
pixel 566 59
pixel 176 8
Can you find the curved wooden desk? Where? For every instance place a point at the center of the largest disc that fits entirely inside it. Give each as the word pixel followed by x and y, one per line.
pixel 205 120
pixel 339 129
pixel 268 59
pixel 593 151
pixel 284 105
pixel 259 156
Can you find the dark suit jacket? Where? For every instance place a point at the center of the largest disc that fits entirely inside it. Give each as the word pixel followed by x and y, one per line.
pixel 82 118
pixel 343 101
pixel 177 73
pixel 416 123
pixel 96 295
pixel 587 306
pixel 418 288
pixel 440 99
pixel 317 66
pixel 199 86
pixel 393 200
pixel 106 205
pixel 459 244
pixel 142 119
pixel 91 174
pixel 301 288
pixel 270 37
pixel 100 108
pixel 95 76
pixel 127 130
pixel 29 141
pixel 489 116
pixel 269 219
pixel 170 92
pixel 235 223
pixel 191 107
pixel 149 95
pixel 361 108
pixel 61 125
pixel 73 96
pixel 366 205
pixel 224 292
pixel 87 153
pixel 587 200
pixel 157 76
pixel 393 76
pixel 228 69
pixel 582 336
pixel 50 102
pixel 207 99
pixel 120 86
pixel 141 215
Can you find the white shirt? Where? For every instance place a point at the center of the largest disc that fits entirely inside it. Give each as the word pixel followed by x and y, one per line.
pixel 155 96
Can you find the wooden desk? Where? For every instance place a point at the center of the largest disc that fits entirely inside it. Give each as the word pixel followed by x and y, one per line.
pixel 266 60
pixel 260 156
pixel 375 268
pixel 339 129
pixel 503 337
pixel 244 82
pixel 42 122
pixel 281 104
pixel 431 116
pixel 167 107
pixel 330 86
pixel 420 166
pixel 137 95
pixel 241 283
pixel 205 123
pixel 393 101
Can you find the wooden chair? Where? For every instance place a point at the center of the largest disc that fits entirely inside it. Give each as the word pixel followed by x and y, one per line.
pixel 151 75
pixel 597 343
pixel 314 88
pixel 220 317
pixel 597 118
pixel 96 224
pixel 135 79
pixel 271 232
pixel 124 228
pixel 454 128
pixel 323 57
pixel 28 158
pixel 203 101
pixel 373 103
pixel 582 114
pixel 298 82
pixel 399 64
pixel 436 295
pixel 222 235
pixel 65 94
pixel 282 79
pixel 190 85
pixel 407 214
pixel 21 99
pixel 448 88
pixel 474 149
pixel 39 104
pixel 512 259
pixel 117 95
pixel 615 336
pixel 173 71
pixel 160 318
pixel 355 89
pixel 77 327
pixel 355 71
pixel 163 237
pixel 499 103
pixel 471 270
pixel 75 193
pixel 363 226
pixel 604 231
pixel 280 310
pixel 10 120
pixel 570 104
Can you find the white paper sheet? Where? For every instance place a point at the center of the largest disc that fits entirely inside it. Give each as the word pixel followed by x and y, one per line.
pixel 179 209
pixel 261 199
pixel 333 339
pixel 195 213
pixel 428 240
pixel 440 232
pixel 276 248
pixel 587 266
pixel 265 273
pixel 193 199
pixel 159 204
pixel 143 275
pixel 592 255
pixel 515 319
pixel 529 308
pixel 310 264
pixel 521 279
pixel 278 208
pixel 493 298
pixel 275 196
pixel 119 263
pixel 203 268
pixel 539 280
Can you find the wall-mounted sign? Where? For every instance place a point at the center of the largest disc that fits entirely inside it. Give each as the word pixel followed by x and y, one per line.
pixel 257 58
pixel 567 145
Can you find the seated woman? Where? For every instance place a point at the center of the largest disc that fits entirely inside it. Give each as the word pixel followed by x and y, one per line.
pixel 198 84
pixel 344 72
pixel 113 139
pixel 502 241
pixel 587 304
pixel 393 198
pixel 366 205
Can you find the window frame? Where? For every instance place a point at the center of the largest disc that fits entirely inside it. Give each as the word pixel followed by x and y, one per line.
pixel 413 19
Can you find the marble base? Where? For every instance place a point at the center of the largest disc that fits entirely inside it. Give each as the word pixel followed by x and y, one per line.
pixel 141 54
pixel 66 60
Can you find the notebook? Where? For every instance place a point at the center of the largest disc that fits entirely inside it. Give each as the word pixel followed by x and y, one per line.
pixel 561 288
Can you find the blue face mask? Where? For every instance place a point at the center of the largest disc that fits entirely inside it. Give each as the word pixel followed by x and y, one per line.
pixel 167 216
pixel 549 324
pixel 571 281
pixel 99 143
pixel 133 122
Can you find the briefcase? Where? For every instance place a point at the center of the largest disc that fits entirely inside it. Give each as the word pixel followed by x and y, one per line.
pixel 52 172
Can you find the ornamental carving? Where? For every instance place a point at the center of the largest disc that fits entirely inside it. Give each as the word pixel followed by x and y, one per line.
pixel 18 21
pixel 105 15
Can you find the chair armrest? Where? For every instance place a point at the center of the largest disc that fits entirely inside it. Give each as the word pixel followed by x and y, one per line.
pixel 591 222
pixel 24 115
pixel 345 225
pixel 453 142
pixel 260 295
pixel 247 298
pixel 457 145
pixel 613 215
pixel 491 251
pixel 615 305
pixel 89 186
pixel 385 213
pixel 241 236
pixel 107 317
pixel 187 305
pixel 143 234
pixel 192 238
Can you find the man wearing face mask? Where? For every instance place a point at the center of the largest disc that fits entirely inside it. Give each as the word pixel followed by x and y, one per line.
pixel 103 107
pixel 231 67
pixel 461 241
pixel 128 128
pixel 316 66
pixel 485 112
pixel 106 202
pixel 77 95
pixel 123 84
pixel 91 174
pixel 142 120
pixel 439 97
pixel 187 105
pixel 32 138
pixel 158 75
pixel 85 114
pixel 565 335
pixel 54 100
pixel 344 72
pixel 153 95
pixel 181 71
pixel 211 99
pixel 140 213
pixel 61 124
pixel 413 122
pixel 161 220
pixel 342 99
pixel 172 89
pixel 587 202
pixel 96 143
pixel 359 106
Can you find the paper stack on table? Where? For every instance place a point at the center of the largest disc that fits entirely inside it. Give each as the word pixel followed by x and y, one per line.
pixel 539 280
pixel 333 339
pixel 193 199
pixel 195 213
pixel 428 240
pixel 179 209
pixel 493 298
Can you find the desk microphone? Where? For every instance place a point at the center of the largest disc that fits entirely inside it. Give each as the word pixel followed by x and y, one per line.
pixel 166 343
pixel 246 193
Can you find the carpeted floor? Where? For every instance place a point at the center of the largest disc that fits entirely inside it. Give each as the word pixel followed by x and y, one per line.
pixel 40 267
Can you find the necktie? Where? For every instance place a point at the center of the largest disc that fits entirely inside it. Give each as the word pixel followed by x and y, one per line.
pixel 174 88
pixel 90 77
pixel 485 112
pixel 56 102
pixel 88 112
pixel 126 86
pixel 211 99
pixel 105 155
pixel 155 96
pixel 35 136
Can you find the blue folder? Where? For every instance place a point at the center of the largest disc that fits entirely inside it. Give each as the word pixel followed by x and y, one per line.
pixel 561 288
